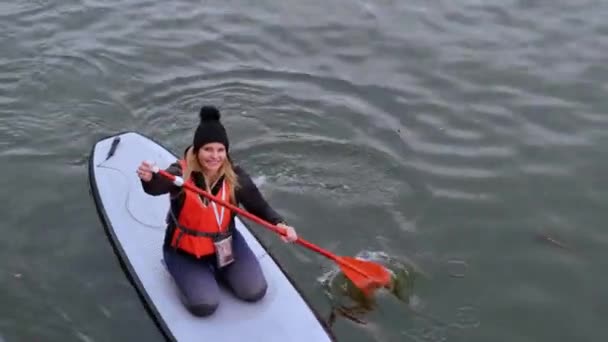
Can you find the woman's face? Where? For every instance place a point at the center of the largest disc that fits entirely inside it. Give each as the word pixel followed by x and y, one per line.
pixel 211 156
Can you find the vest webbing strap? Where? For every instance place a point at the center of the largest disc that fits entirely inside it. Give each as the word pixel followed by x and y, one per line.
pixel 185 230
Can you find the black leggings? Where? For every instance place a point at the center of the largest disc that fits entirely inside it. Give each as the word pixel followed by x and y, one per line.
pixel 197 279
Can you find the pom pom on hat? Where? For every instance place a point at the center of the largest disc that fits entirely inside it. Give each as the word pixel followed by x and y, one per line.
pixel 210 129
pixel 209 113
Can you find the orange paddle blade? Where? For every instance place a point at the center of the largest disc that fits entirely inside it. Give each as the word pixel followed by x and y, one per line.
pixel 366 275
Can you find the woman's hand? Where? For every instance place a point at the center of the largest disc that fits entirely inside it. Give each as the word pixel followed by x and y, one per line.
pixel 144 171
pixel 291 235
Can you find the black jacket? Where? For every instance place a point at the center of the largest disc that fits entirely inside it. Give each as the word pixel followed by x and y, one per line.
pixel 247 195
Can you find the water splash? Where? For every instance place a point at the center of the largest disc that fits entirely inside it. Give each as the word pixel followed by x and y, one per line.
pixel 342 293
pixel 259 181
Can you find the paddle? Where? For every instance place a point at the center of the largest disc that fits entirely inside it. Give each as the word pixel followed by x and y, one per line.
pixel 366 275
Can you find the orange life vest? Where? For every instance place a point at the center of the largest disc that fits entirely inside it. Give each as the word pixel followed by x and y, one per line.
pixel 198 224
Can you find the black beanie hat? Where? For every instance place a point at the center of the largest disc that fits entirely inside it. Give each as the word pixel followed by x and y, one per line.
pixel 210 129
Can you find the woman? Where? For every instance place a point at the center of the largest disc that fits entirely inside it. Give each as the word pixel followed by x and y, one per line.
pixel 201 244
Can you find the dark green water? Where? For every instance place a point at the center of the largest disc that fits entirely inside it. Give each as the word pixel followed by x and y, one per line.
pixel 446 133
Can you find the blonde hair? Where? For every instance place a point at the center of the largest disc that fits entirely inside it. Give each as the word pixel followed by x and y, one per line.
pixel 226 170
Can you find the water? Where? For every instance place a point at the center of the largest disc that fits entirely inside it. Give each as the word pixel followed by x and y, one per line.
pixel 467 137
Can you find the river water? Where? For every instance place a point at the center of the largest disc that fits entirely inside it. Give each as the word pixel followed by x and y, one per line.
pixel 468 138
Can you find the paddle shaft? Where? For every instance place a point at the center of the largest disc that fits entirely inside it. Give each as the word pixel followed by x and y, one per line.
pixel 180 182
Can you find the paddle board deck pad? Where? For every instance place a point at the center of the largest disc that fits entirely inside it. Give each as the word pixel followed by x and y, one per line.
pixel 135 224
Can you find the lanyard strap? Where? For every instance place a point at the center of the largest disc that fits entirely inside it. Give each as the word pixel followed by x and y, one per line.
pixel 219 218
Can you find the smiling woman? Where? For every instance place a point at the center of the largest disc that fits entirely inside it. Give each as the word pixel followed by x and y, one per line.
pixel 201 244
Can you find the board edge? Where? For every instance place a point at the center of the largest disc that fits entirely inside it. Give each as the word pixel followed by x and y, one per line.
pixel 123 260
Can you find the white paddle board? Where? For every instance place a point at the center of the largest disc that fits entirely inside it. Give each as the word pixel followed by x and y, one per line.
pixel 135 225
